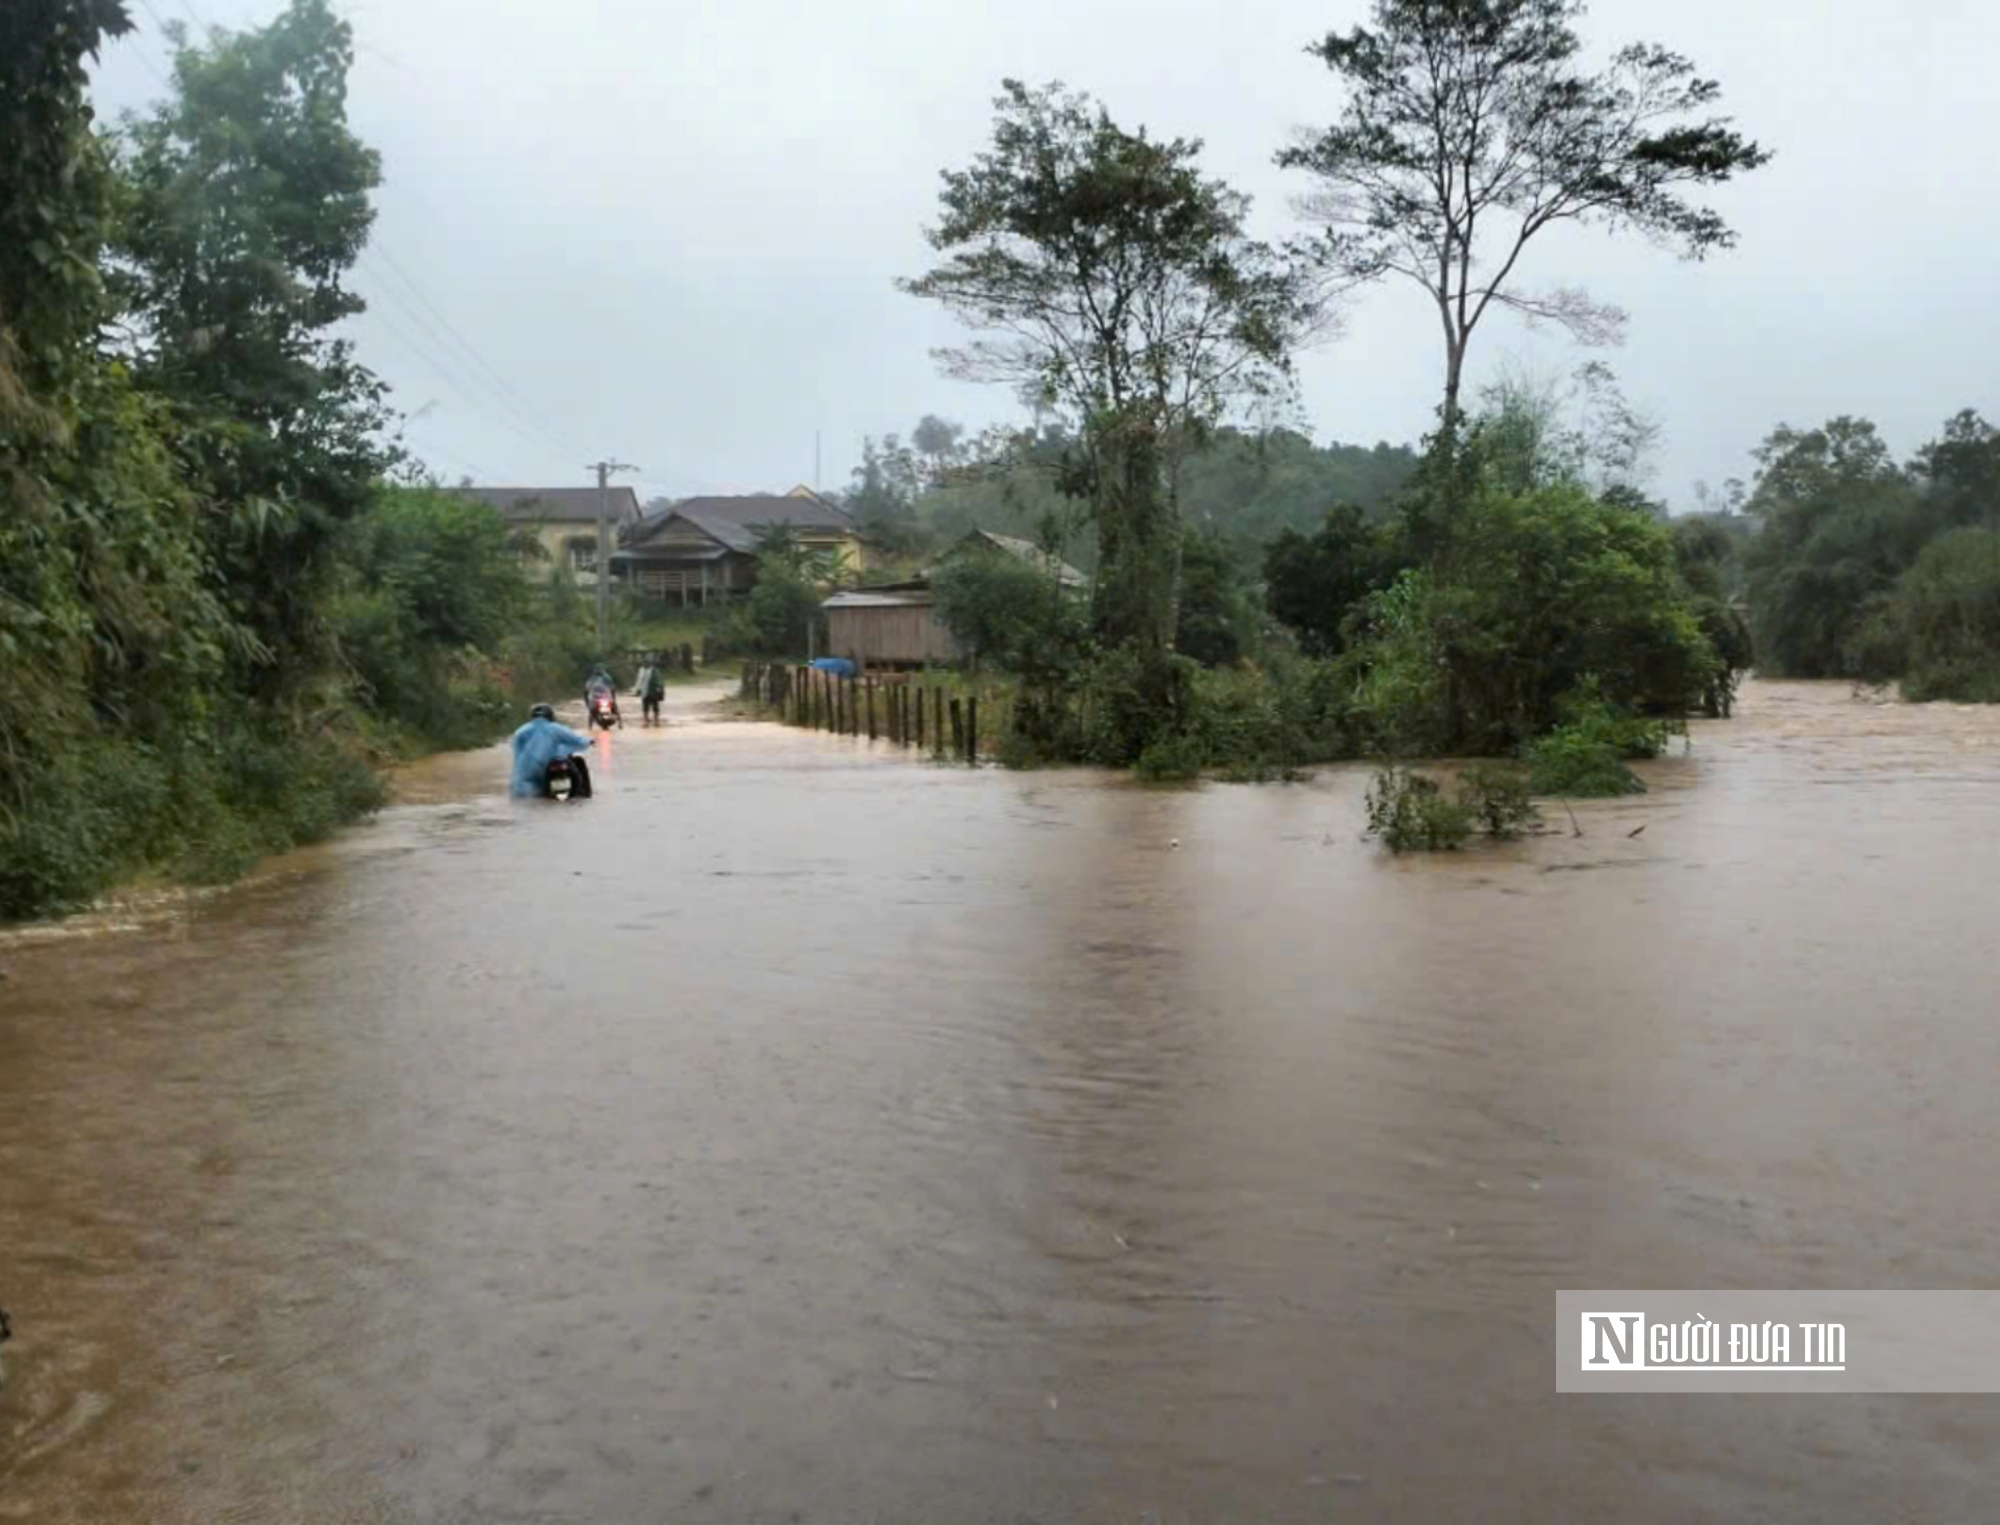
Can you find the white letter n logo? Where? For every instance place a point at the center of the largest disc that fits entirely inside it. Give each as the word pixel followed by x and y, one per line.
pixel 1614 1341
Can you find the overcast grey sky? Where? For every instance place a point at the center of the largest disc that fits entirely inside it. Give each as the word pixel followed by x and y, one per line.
pixel 670 228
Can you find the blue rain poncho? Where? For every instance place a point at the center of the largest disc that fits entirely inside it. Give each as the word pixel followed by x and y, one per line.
pixel 536 745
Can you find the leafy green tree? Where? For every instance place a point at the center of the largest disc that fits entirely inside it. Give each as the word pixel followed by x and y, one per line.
pixel 1478 651
pixel 111 635
pixel 997 607
pixel 427 577
pixel 1946 616
pixel 1469 128
pixel 1708 551
pixel 53 200
pixel 1314 584
pixel 1119 288
pixel 883 494
pixel 1960 475
pixel 247 202
pixel 1219 617
pixel 1839 520
pixel 781 614
pixel 940 447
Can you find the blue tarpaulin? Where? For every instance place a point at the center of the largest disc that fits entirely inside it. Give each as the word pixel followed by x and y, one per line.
pixel 839 666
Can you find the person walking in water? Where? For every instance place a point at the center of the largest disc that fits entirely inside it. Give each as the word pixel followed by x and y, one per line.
pixel 651 686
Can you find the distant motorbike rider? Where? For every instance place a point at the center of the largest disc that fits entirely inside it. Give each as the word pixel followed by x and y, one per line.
pixel 540 742
pixel 600 685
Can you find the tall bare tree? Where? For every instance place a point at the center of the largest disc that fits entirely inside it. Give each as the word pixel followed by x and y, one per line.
pixel 1470 127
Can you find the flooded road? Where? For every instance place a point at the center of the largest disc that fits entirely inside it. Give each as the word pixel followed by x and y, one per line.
pixel 797 1132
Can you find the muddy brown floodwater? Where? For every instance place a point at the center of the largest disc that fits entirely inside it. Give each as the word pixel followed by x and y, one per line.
pixel 797 1132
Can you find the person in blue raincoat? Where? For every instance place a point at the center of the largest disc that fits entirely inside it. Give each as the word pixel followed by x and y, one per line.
pixel 540 742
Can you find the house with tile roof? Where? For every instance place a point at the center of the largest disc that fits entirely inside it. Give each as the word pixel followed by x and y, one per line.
pixel 563 520
pixel 706 548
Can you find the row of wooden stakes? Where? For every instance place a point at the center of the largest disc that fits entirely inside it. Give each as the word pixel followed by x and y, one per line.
pixel 905 714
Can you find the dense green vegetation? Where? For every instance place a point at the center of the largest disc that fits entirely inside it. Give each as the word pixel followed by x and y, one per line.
pixel 1863 568
pixel 217 613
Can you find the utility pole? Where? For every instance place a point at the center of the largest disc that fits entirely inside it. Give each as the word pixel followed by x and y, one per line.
pixel 815 460
pixel 604 470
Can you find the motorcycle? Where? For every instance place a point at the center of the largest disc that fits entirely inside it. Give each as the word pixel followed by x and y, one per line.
pixel 604 711
pixel 566 780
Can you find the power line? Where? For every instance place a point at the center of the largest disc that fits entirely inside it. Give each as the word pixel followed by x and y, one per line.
pixel 450 377
pixel 496 408
pixel 450 365
pixel 449 457
pixel 147 63
pixel 500 381
pixel 503 388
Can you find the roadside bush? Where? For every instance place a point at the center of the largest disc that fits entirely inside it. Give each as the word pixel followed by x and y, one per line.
pixel 203 812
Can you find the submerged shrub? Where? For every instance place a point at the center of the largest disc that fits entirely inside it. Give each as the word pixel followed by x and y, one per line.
pixel 1573 762
pixel 1585 756
pixel 1411 813
pixel 1499 799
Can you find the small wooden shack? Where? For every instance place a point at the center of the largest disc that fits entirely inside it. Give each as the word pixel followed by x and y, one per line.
pixel 894 626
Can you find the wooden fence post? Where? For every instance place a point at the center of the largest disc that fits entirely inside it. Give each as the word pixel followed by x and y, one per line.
pixel 957 727
pixel 920 719
pixel 937 721
pixel 972 730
